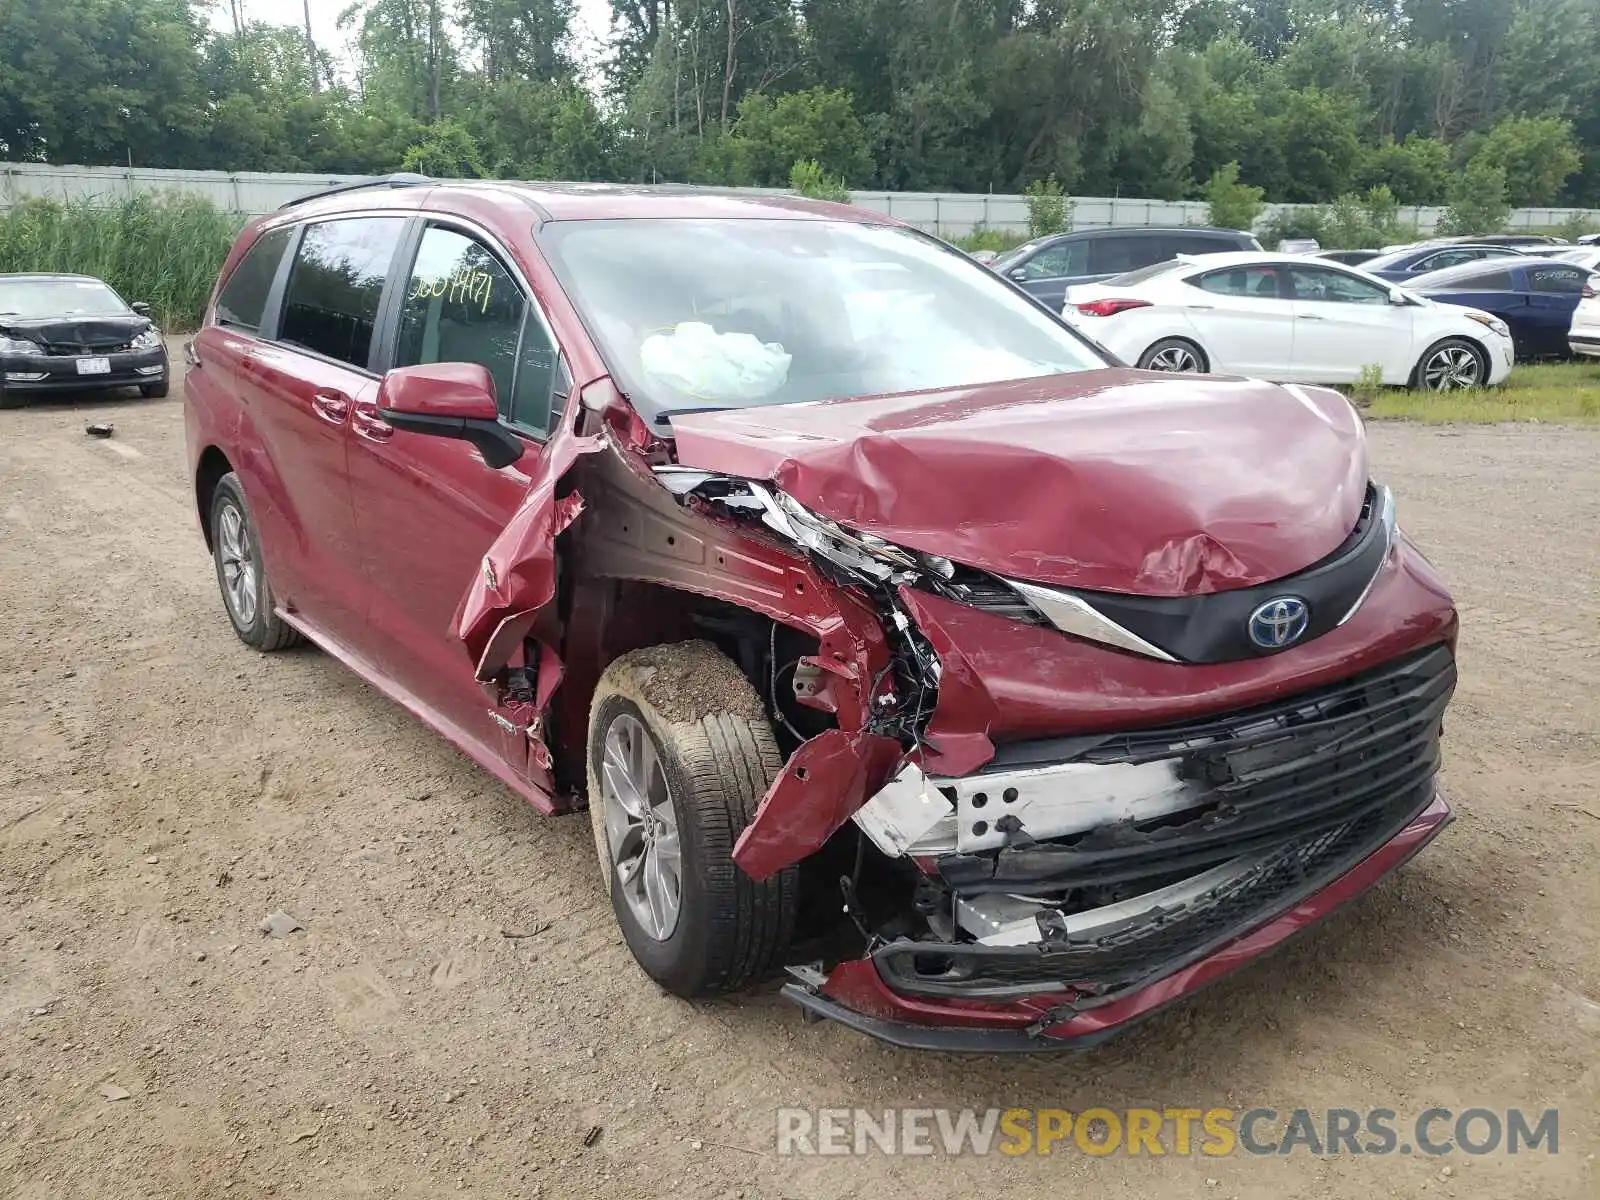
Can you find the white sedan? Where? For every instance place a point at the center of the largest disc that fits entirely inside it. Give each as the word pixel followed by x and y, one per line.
pixel 1289 319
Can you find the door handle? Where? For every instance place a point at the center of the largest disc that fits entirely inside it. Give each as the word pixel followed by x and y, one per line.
pixel 332 407
pixel 1310 317
pixel 1201 307
pixel 368 424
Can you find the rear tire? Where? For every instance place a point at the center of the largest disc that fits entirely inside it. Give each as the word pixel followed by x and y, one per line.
pixel 679 733
pixel 1176 355
pixel 241 574
pixel 1451 365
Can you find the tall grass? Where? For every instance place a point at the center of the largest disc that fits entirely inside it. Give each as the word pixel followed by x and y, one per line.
pixel 165 249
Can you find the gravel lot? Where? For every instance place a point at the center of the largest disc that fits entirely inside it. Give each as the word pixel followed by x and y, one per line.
pixel 162 789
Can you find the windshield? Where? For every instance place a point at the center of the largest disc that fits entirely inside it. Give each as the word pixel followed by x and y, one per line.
pixel 30 298
pixel 696 314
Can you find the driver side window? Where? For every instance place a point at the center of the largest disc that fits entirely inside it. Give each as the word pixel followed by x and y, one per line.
pixel 1322 285
pixel 462 305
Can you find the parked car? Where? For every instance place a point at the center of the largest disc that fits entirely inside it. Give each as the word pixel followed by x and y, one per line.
pixel 1401 266
pixel 1350 258
pixel 1290 319
pixel 1586 257
pixel 1535 297
pixel 985 256
pixel 73 333
pixel 1046 267
pixel 1583 338
pixel 1589 239
pixel 849 589
pixel 1529 240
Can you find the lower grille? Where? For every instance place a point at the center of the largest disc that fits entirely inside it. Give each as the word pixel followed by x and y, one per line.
pixel 1308 785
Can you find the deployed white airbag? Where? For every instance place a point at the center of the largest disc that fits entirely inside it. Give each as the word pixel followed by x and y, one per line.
pixel 726 367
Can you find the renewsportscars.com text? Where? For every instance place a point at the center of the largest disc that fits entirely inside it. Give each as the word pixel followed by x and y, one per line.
pixel 1154 1132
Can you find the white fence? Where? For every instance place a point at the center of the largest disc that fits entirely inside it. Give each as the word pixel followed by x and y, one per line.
pixel 951 213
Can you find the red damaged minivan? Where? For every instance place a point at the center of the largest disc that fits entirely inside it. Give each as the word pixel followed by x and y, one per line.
pixel 889 633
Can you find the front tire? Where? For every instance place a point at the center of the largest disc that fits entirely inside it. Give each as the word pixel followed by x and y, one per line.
pixel 241 575
pixel 154 391
pixel 1176 355
pixel 680 752
pixel 12 399
pixel 1451 365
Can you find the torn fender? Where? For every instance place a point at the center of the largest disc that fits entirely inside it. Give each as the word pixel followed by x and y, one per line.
pixel 517 576
pixel 820 788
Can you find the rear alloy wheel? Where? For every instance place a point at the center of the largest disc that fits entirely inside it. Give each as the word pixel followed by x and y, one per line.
pixel 680 753
pixel 1452 365
pixel 1174 355
pixel 241 575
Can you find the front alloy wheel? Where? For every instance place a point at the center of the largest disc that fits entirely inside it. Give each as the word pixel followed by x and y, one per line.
pixel 1451 367
pixel 641 826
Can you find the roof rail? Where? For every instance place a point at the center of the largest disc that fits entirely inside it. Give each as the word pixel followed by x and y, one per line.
pixel 399 179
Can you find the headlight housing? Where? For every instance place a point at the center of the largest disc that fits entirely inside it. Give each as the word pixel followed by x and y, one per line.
pixel 15 346
pixel 148 340
pixel 1494 324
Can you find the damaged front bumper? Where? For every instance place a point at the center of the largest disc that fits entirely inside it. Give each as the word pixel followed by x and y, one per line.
pixel 1066 898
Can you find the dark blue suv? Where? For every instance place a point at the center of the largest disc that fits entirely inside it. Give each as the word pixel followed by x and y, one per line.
pixel 1046 267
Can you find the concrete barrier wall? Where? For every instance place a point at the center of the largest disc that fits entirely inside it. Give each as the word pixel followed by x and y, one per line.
pixel 952 213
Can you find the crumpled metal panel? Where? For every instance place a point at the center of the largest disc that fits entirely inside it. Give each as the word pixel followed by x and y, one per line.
pixel 1107 480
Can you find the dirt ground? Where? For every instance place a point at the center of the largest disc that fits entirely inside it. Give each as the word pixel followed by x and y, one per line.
pixel 163 788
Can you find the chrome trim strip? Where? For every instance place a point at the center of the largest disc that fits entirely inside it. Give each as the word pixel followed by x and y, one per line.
pixel 1071 614
pixel 1386 517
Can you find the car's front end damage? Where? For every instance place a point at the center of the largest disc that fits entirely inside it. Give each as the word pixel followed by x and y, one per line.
pixel 1084 746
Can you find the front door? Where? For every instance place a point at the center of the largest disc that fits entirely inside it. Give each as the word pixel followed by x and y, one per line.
pixel 1344 324
pixel 427 508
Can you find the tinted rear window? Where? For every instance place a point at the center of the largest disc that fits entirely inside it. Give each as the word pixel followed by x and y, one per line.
pixel 1116 255
pixel 1561 279
pixel 331 303
pixel 243 301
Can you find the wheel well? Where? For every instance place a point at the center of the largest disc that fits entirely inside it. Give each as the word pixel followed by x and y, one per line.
pixel 605 619
pixel 213 466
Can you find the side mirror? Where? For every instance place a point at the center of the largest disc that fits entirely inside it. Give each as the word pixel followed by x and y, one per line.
pixel 1399 298
pixel 1017 273
pixel 454 400
pixel 140 307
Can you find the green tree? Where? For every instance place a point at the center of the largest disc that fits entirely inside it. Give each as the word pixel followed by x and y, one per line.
pixel 1416 170
pixel 1535 154
pixel 809 179
pixel 446 151
pixel 1478 201
pixel 1229 203
pixel 818 124
pixel 1049 209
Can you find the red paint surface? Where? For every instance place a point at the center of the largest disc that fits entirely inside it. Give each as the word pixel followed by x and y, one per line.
pixel 858 986
pixel 1112 480
pixel 464 390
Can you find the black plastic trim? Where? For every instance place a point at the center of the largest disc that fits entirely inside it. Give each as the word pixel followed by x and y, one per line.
pixel 1214 627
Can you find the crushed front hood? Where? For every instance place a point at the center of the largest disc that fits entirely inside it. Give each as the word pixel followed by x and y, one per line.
pixel 75 331
pixel 1111 480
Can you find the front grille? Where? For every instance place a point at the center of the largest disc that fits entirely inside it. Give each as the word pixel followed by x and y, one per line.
pixel 79 349
pixel 1312 783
